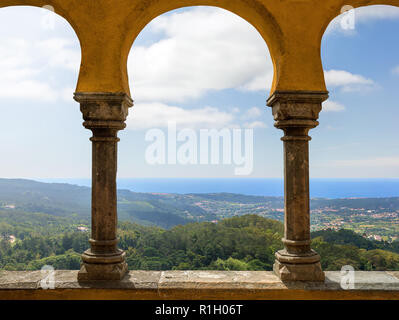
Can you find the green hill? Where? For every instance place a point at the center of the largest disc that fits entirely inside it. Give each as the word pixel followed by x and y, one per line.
pixel 240 243
pixel 71 201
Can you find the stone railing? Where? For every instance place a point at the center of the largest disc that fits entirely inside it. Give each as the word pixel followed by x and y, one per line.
pixel 197 285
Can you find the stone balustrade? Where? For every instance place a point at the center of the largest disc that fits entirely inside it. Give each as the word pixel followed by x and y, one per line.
pixel 198 285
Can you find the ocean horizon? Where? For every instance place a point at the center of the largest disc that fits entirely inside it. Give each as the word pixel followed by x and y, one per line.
pixel 319 188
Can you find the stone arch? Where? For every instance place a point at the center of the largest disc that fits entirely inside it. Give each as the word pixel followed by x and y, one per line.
pixel 252 11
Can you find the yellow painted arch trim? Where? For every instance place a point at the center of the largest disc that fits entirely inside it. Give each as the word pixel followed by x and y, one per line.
pixel 106 29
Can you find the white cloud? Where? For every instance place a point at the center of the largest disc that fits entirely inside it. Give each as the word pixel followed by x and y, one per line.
pixel 259 82
pixel 60 53
pixel 36 63
pixel 235 110
pixel 149 115
pixel 332 106
pixel 208 49
pixel 157 115
pixel 255 125
pixel 377 12
pixel 27 67
pixel 364 15
pixel 18 73
pixel 66 93
pixel 253 112
pixel 347 81
pixel 203 49
pixel 28 89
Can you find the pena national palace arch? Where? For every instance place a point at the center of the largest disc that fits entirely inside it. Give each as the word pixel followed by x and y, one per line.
pixel 292 29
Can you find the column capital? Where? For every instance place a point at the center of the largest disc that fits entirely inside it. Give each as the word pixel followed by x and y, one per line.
pixel 104 110
pixel 296 108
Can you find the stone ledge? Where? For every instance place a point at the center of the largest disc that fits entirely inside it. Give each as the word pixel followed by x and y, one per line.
pixel 197 285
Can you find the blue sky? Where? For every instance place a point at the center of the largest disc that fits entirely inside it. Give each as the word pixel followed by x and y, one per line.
pixel 204 68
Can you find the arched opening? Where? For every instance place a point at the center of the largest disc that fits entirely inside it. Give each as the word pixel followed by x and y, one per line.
pixel 41 136
pixel 199 68
pixel 40 59
pixel 360 116
pixel 202 67
pixel 355 150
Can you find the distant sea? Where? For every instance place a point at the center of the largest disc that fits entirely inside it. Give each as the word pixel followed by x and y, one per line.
pixel 319 188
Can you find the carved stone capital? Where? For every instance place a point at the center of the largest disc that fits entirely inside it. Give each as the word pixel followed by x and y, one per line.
pixel 296 108
pixel 104 109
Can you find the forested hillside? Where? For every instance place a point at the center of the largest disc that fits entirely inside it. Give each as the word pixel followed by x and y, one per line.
pixel 240 243
pixel 71 201
pixel 47 223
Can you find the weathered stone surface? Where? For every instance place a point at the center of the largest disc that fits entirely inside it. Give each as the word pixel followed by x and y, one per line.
pixel 212 285
pixel 140 280
pixel 19 279
pixel 104 109
pixel 394 273
pixel 102 271
pixel 219 279
pixel 367 280
pixel 298 272
pixel 296 105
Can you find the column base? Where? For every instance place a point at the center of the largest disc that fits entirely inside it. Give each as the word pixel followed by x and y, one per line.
pixel 291 267
pixel 103 267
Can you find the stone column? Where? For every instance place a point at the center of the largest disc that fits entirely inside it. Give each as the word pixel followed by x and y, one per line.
pixel 296 112
pixel 104 115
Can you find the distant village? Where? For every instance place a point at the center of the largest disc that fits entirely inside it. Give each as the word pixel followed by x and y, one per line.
pixel 378 225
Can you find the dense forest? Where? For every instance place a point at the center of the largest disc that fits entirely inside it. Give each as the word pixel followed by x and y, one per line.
pixel 239 243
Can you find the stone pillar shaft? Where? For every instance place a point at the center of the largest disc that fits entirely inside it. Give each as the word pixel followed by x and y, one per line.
pixel 296 190
pixel 296 112
pixel 104 213
pixel 104 115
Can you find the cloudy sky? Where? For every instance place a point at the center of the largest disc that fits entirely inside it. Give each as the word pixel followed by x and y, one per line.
pixel 204 68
